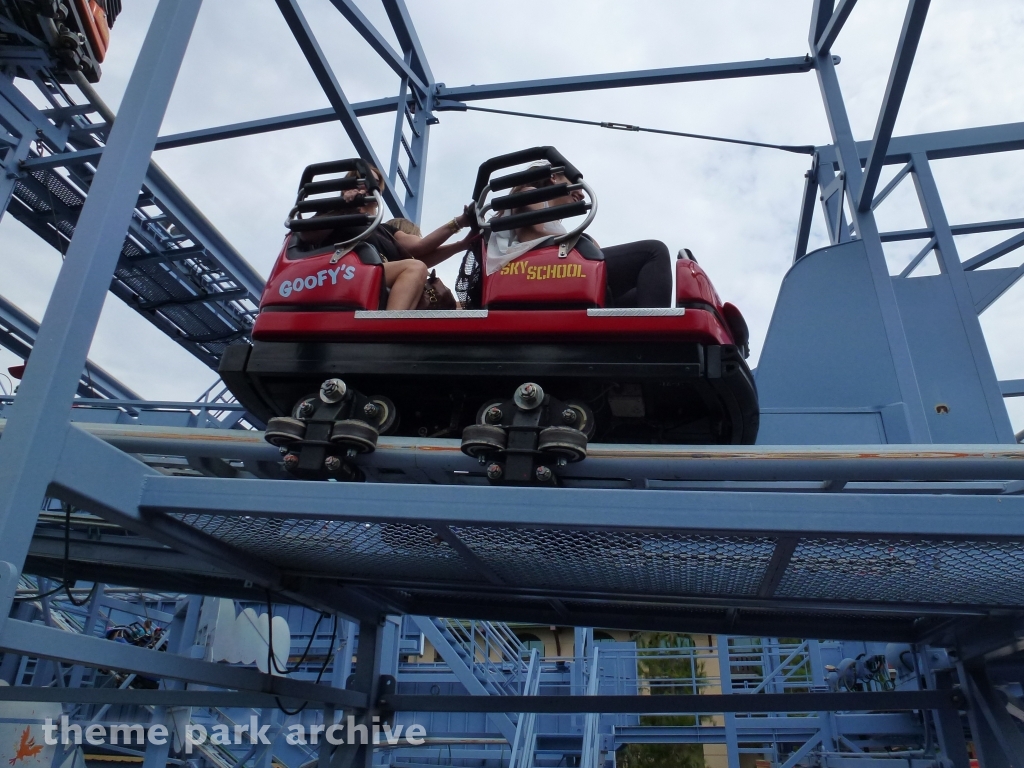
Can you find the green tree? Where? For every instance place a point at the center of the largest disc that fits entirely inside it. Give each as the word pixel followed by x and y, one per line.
pixel 665 666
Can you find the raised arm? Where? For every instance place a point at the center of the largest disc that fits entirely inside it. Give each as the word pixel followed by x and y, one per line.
pixel 431 248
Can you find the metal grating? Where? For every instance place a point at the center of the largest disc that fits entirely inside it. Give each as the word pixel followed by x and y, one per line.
pixel 623 561
pixel 949 572
pixel 609 561
pixel 330 548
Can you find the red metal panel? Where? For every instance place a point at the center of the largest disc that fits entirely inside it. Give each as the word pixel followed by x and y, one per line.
pixel 315 282
pixel 540 277
pixel 522 327
pixel 693 285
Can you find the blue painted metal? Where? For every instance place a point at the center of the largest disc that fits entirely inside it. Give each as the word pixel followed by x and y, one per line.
pixel 369 33
pixel 910 36
pixel 18 334
pixel 809 553
pixel 39 419
pixel 830 27
pixel 296 21
pixel 975 359
pixel 703 72
pixel 202 296
pixel 864 223
pixel 405 31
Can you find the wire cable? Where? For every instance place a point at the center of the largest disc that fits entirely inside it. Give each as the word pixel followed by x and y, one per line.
pixel 801 149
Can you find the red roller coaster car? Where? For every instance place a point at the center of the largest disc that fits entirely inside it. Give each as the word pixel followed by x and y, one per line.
pixel 533 367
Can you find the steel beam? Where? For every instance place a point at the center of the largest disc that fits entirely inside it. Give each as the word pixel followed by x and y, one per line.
pixel 699 703
pixel 834 26
pixel 949 261
pixel 97 477
pixel 140 697
pixel 803 228
pixel 48 643
pixel 631 79
pixel 405 31
pixel 775 514
pixel 867 230
pixel 18 334
pixel 300 28
pixel 963 142
pixel 910 36
pixel 39 418
pixel 369 33
pixel 761 463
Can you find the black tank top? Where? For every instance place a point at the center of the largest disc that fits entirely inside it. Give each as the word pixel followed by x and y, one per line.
pixel 382 238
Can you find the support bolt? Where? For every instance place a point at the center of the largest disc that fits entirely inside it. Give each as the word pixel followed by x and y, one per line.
pixel 333 390
pixel 291 461
pixel 544 474
pixel 528 396
pixel 371 410
pixel 493 415
pixel 494 471
pixel 305 409
pixel 332 463
pixel 569 416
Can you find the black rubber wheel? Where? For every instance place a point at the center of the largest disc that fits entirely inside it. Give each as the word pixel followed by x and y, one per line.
pixel 584 417
pixel 387 417
pixel 352 433
pixel 563 442
pixel 283 430
pixel 482 439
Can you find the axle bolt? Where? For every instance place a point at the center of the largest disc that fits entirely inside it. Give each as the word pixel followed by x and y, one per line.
pixel 544 474
pixel 481 460
pixel 351 453
pixel 305 409
pixel 562 462
pixel 282 450
pixel 332 463
pixel 291 461
pixel 569 416
pixel 333 390
pixel 493 415
pixel 528 396
pixel 494 471
pixel 371 410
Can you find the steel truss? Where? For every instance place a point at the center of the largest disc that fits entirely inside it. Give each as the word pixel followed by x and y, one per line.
pixel 921 545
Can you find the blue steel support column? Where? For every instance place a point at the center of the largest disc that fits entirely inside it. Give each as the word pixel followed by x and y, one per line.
pixel 949 261
pixel 182 634
pixel 725 674
pixel 864 222
pixel 366 678
pixel 901 65
pixel 39 417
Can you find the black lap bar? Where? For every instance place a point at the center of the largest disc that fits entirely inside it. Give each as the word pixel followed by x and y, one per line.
pixel 512 159
pixel 331 185
pixel 519 178
pixel 360 166
pixel 529 197
pixel 329 222
pixel 504 223
pixel 328 204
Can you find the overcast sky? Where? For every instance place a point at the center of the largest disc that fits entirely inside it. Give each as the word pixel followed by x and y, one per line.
pixel 735 207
